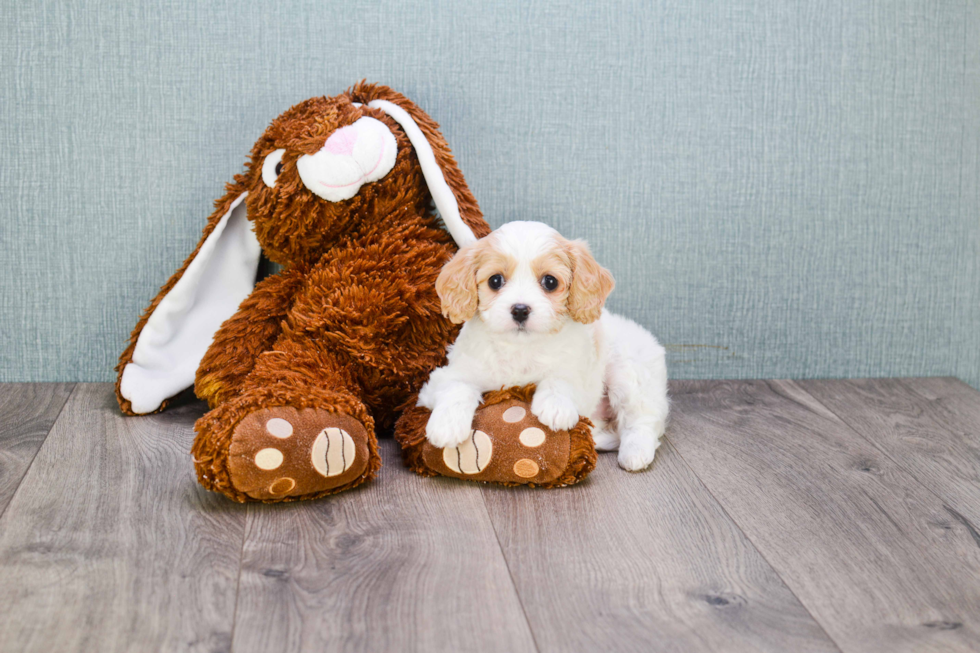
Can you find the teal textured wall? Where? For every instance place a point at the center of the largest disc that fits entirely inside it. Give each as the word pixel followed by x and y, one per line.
pixel 782 189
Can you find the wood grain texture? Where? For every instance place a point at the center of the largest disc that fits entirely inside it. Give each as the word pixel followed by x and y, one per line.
pixel 929 427
pixel 110 544
pixel 403 563
pixel 644 561
pixel 771 520
pixel 870 552
pixel 27 412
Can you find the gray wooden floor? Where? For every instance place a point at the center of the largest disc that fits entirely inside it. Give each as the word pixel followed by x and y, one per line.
pixel 778 516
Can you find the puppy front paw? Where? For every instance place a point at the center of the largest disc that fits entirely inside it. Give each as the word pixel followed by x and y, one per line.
pixel 556 411
pixel 449 425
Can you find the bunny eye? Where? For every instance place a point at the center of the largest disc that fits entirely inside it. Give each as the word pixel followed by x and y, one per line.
pixel 271 167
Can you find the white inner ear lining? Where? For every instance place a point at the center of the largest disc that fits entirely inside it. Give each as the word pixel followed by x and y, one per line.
pixel 442 194
pixel 180 330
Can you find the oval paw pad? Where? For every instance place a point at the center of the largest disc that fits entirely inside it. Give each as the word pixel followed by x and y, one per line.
pixel 472 456
pixel 268 459
pixel 532 436
pixel 333 452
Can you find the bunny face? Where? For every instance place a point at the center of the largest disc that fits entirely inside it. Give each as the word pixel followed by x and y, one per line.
pixel 367 162
pixel 318 171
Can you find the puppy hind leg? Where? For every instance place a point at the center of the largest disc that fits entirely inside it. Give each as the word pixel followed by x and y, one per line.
pixel 638 397
pixel 605 437
pixel 604 433
pixel 639 443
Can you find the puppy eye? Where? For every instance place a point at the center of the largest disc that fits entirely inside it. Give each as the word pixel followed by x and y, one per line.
pixel 496 282
pixel 549 283
pixel 271 167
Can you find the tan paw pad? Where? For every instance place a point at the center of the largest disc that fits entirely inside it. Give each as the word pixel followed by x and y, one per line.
pixel 268 459
pixel 470 457
pixel 513 415
pixel 526 468
pixel 282 486
pixel 279 428
pixel 333 452
pixel 532 437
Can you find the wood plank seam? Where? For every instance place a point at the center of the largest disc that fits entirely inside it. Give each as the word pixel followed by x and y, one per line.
pixel 238 580
pixel 144 566
pixel 312 573
pixel 510 573
pixel 640 558
pixel 919 602
pixel 34 457
pixel 899 462
pixel 954 379
pixel 748 539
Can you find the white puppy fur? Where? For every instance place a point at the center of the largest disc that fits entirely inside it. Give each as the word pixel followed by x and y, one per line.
pixel 532 306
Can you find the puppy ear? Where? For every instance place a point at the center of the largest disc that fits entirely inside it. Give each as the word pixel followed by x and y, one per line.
pixel 591 284
pixel 456 285
pixel 456 205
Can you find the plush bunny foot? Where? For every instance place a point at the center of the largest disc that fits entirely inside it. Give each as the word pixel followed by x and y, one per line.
pixel 507 444
pixel 283 452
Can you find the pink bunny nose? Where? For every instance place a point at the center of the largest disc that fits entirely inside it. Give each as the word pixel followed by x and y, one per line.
pixel 341 141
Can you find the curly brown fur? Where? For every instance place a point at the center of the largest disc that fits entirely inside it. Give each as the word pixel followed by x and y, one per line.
pixel 352 324
pixel 244 336
pixel 410 435
pixel 468 208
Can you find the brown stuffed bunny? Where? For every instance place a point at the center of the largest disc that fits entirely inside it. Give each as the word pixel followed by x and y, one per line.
pixel 300 368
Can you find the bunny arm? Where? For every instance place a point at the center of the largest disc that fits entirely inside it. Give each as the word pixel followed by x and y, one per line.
pixel 245 335
pixel 384 330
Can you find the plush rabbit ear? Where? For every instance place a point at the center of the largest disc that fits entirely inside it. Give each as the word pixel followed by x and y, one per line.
pixel 456 205
pixel 172 336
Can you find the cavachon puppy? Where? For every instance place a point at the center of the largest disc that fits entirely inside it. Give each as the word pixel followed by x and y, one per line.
pixel 298 369
pixel 532 303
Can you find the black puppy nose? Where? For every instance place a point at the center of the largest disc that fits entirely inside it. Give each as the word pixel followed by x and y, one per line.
pixel 520 312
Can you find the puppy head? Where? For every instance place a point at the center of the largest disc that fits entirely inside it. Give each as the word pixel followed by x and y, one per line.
pixel 524 278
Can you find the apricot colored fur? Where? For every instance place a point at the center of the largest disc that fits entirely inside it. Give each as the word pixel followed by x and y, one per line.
pixel 352 323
